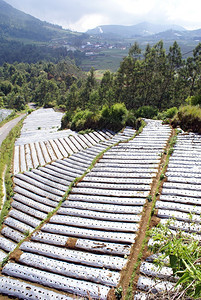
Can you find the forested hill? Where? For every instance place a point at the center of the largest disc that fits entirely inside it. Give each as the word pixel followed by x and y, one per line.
pixel 15 24
pixel 24 38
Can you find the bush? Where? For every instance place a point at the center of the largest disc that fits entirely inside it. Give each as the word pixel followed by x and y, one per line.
pixel 167 114
pixel 170 113
pixel 114 118
pixel 66 119
pixel 188 118
pixel 84 119
pixel 194 100
pixel 183 252
pixel 146 112
pixel 131 119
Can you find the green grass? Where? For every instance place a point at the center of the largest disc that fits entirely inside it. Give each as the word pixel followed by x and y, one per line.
pixel 6 157
pixel 105 60
pixel 188 118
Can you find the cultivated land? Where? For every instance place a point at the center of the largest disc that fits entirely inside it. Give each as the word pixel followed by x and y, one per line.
pixel 81 207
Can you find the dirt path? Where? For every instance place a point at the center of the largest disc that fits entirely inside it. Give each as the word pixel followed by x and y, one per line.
pixel 5 129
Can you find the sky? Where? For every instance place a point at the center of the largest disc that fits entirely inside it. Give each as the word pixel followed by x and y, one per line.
pixel 81 15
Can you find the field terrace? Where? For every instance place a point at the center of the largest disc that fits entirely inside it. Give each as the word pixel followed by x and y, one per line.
pixel 62 245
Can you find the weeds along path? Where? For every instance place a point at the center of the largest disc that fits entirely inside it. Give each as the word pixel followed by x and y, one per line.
pixel 180 202
pixel 81 245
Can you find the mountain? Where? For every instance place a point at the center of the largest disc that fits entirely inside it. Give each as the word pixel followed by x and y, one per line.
pixel 17 25
pixel 24 38
pixel 141 29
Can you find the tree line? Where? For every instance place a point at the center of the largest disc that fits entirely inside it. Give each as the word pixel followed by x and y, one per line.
pixel 146 83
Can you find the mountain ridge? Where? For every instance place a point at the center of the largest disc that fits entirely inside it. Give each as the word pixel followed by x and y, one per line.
pixel 16 24
pixel 140 29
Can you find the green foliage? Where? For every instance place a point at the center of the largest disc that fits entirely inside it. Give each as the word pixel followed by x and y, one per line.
pixel 194 100
pixel 146 112
pixel 114 117
pixel 27 233
pixel 23 83
pixel 162 176
pixel 6 155
pixel 167 114
pixel 184 254
pixel 84 120
pixel 188 118
pixel 118 293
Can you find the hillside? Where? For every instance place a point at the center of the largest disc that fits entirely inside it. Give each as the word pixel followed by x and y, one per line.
pixel 25 38
pixel 143 29
pixel 17 25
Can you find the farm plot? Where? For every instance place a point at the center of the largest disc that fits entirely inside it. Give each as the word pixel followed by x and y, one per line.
pixel 40 145
pixel 39 191
pixel 86 244
pixel 4 113
pixel 179 201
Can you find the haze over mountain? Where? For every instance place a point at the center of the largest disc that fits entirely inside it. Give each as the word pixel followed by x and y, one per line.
pixel 16 24
pixel 25 38
pixel 141 29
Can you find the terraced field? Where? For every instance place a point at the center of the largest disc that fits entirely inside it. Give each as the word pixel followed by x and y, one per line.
pixel 80 244
pixel 41 142
pixel 180 196
pixel 4 113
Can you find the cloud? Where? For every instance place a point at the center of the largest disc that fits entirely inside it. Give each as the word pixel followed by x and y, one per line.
pixel 81 15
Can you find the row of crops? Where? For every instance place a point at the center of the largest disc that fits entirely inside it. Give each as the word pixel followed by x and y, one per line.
pixel 62 244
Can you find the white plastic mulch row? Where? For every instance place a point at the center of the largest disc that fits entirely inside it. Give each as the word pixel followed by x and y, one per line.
pixel 33 154
pixel 39 191
pixel 4 113
pixel 25 290
pixel 180 197
pixel 41 142
pixel 83 248
pixel 36 194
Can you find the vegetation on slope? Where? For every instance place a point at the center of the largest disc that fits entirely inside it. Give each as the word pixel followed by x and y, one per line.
pixel 149 84
pixel 183 251
pixel 47 84
pixel 188 118
pixel 24 38
pixel 6 158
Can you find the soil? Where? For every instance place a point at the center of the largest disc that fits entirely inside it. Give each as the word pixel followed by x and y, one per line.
pixel 71 243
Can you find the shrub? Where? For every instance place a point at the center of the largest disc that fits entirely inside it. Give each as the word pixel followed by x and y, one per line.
pixel 66 119
pixel 194 100
pixel 84 119
pixel 188 118
pixel 170 113
pixel 113 117
pixel 131 119
pixel 183 252
pixel 146 112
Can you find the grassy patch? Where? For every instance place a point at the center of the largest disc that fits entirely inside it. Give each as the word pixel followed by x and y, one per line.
pixel 188 118
pixel 6 156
